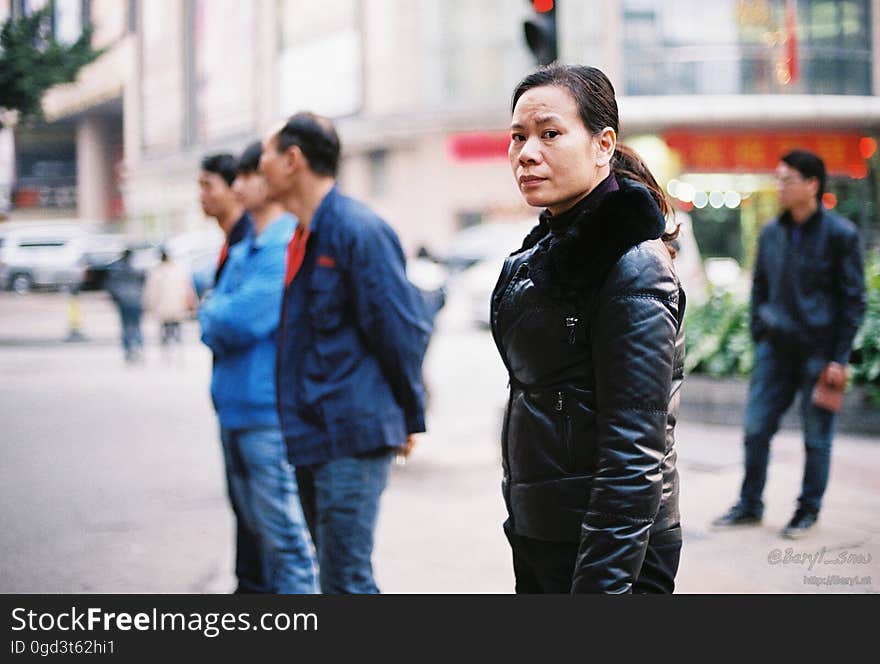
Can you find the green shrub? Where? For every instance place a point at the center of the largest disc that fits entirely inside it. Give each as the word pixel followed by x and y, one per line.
pixel 717 337
pixel 719 343
pixel 865 359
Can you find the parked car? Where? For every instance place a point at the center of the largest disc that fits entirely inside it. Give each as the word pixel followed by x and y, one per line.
pixel 41 255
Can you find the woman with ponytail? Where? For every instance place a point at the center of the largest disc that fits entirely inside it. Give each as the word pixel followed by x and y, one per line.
pixel 587 317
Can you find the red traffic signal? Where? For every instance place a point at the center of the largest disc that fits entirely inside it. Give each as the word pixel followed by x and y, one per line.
pixel 540 31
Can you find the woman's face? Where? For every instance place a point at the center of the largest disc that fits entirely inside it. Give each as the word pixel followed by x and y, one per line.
pixel 556 161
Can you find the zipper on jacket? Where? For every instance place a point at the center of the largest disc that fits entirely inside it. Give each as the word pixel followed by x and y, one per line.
pixel 560 403
pixel 571 323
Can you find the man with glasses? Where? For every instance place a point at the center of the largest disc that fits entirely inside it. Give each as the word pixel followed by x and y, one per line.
pixel 808 298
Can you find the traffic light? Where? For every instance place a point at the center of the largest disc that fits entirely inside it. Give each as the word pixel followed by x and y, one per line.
pixel 540 30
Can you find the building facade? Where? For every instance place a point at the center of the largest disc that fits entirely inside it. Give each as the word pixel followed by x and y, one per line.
pixel 420 90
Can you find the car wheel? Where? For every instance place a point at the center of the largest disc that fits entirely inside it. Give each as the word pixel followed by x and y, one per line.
pixel 21 283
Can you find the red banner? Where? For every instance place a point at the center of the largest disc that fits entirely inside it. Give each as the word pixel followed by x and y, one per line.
pixel 478 145
pixel 749 152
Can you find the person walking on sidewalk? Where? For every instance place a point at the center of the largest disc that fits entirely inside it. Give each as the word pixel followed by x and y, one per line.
pixel 239 323
pixel 169 296
pixel 125 284
pixel 353 335
pixel 808 298
pixel 587 316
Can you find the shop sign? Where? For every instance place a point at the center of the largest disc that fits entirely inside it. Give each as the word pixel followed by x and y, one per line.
pixel 750 152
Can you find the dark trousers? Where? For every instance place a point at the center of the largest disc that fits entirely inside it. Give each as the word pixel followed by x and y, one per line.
pixel 132 338
pixel 779 376
pixel 548 567
pixel 169 332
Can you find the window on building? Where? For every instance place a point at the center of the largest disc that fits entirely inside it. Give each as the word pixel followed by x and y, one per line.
pixel 319 63
pixel 476 52
pixel 224 93
pixel 747 47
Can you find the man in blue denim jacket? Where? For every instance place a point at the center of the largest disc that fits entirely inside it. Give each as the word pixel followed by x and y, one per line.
pixel 352 338
pixel 240 324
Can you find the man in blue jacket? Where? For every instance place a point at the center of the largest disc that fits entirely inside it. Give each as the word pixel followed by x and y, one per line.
pixel 353 335
pixel 240 323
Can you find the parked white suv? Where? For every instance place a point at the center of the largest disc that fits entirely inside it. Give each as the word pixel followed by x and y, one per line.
pixel 41 255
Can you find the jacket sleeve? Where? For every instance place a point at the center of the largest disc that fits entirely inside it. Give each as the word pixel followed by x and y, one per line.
pixel 391 317
pixel 850 297
pixel 233 320
pixel 633 345
pixel 759 292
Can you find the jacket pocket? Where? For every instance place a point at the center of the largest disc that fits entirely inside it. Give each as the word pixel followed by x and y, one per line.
pixel 327 298
pixel 563 428
pixel 535 449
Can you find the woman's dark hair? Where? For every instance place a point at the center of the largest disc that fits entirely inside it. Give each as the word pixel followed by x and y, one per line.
pixel 249 161
pixel 317 139
pixel 222 164
pixel 594 96
pixel 809 166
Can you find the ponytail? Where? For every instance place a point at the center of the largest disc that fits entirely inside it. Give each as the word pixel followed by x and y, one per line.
pixel 627 163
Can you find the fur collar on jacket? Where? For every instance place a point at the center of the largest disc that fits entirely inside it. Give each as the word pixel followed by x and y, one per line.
pixel 582 255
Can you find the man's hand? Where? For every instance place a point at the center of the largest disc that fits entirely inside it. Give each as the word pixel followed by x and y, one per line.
pixel 406 449
pixel 835 375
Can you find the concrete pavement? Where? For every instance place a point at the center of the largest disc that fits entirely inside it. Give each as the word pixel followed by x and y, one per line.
pixel 112 477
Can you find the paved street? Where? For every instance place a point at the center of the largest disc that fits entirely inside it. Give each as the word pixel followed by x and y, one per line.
pixel 111 477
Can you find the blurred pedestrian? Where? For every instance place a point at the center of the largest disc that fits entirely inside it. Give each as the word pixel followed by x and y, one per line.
pixel 351 343
pixel 587 317
pixel 125 284
pixel 239 323
pixel 170 297
pixel 220 202
pixel 808 298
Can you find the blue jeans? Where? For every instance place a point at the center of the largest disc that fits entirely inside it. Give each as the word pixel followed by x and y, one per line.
pixel 274 553
pixel 341 503
pixel 132 338
pixel 779 375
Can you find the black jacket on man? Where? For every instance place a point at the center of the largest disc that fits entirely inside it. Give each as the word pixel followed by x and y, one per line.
pixel 808 287
pixel 587 317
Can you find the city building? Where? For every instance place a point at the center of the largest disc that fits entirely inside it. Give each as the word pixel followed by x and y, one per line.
pixel 709 93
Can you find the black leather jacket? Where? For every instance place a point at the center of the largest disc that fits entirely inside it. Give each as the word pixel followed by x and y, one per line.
pixel 811 295
pixel 587 318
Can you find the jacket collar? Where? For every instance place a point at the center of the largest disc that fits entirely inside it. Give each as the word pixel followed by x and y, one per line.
pixel 242 228
pixel 583 253
pixel 327 204
pixel 786 220
pixel 559 223
pixel 276 231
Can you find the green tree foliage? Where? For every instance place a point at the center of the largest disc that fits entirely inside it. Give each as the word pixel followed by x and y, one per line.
pixel 32 61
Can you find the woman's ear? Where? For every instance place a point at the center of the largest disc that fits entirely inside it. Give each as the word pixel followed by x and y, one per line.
pixel 606 142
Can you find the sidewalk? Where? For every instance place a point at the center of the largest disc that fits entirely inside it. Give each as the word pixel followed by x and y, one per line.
pixel 122 465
